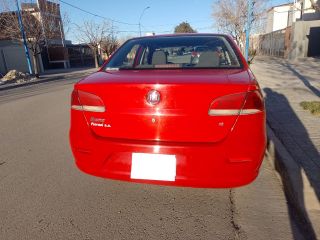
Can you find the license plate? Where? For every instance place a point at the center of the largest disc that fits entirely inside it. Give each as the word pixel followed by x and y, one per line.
pixel 150 166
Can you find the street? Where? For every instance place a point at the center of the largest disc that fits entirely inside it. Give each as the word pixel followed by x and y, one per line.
pixel 203 97
pixel 44 196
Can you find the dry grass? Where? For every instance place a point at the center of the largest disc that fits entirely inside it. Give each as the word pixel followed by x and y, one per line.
pixel 313 107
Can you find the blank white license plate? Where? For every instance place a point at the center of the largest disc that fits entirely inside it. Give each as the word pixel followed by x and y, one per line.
pixel 153 166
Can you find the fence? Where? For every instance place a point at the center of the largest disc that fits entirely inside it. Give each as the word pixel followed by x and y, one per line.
pixel 80 56
pixel 297 41
pixel 12 56
pixel 275 43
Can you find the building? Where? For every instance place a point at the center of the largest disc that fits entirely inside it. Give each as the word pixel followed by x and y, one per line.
pixel 55 54
pixel 310 10
pixel 43 18
pixel 292 31
pixel 282 16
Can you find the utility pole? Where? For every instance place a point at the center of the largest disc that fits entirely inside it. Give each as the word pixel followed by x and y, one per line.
pixel 248 27
pixel 24 37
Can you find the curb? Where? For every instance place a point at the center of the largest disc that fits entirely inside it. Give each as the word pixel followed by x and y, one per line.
pixel 44 80
pixel 301 197
pixel 33 82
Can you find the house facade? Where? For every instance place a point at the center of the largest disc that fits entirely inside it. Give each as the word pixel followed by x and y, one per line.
pixel 282 16
pixel 55 52
pixel 292 31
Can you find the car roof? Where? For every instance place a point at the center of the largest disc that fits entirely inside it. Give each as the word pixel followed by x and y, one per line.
pixel 183 35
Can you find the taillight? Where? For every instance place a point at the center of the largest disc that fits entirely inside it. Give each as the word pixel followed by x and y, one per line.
pixel 235 104
pixel 84 101
pixel 253 104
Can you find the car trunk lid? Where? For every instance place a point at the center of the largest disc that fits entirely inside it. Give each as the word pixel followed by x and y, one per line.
pixel 181 115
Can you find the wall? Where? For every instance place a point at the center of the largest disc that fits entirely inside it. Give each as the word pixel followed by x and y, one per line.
pixel 301 36
pixel 280 19
pixel 269 25
pixel 12 56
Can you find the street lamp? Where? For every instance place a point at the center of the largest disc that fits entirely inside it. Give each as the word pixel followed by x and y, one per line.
pixel 140 19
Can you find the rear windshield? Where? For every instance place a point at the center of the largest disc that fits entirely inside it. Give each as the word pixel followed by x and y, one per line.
pixel 175 52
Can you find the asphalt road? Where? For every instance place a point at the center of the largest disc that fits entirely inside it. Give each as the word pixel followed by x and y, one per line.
pixel 44 196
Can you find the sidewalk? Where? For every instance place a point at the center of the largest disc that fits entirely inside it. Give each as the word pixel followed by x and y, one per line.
pixel 294 133
pixel 52 75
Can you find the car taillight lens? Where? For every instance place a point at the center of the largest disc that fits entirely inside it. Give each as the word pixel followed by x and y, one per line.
pixel 253 104
pixel 235 104
pixel 84 101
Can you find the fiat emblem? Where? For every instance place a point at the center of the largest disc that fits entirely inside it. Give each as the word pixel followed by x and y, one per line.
pixel 153 97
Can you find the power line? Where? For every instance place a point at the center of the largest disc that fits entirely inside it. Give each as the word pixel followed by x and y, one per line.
pixel 99 16
pixel 131 24
pixel 120 22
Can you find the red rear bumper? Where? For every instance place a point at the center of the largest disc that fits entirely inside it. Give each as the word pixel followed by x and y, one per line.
pixel 232 162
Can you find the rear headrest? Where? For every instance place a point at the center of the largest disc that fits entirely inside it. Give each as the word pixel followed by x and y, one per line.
pixel 209 59
pixel 159 57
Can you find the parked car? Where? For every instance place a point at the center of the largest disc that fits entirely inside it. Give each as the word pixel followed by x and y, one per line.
pixel 141 118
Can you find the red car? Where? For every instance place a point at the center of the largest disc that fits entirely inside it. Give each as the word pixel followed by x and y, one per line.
pixel 152 116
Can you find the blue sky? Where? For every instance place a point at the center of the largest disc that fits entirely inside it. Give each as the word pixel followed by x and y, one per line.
pixel 161 17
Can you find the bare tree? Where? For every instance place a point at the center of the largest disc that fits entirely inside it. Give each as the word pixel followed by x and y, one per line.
pixel 40 25
pixel 123 39
pixel 109 45
pixel 93 34
pixel 66 23
pixel 231 17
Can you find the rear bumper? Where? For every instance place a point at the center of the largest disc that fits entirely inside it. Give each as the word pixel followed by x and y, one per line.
pixel 232 162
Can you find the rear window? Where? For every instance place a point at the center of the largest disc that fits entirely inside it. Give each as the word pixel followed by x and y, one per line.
pixel 175 52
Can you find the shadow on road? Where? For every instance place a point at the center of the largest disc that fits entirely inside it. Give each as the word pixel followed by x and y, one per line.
pixel 294 136
pixel 303 79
